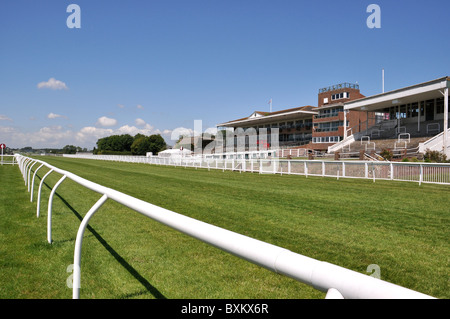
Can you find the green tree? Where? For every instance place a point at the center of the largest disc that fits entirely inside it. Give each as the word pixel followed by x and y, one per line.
pixel 143 144
pixel 70 149
pixel 157 143
pixel 115 143
pixel 140 146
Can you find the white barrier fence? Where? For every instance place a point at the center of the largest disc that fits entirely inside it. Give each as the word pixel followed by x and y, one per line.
pixel 436 173
pixel 336 281
pixel 8 160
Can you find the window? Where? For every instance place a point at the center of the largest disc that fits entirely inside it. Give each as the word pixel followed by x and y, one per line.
pixel 326 139
pixel 328 126
pixel 440 105
pixel 414 109
pixel 342 95
pixel 392 113
pixel 403 111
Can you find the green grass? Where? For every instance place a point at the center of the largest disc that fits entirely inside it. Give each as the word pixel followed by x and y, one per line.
pixel 400 226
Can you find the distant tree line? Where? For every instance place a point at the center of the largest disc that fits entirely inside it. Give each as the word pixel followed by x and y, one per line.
pixel 126 144
pixel 68 149
pixel 71 149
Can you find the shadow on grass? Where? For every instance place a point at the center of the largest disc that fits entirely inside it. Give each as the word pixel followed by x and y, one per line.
pixel 149 287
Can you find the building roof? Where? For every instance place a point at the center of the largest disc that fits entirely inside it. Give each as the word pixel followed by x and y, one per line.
pixel 259 117
pixel 409 94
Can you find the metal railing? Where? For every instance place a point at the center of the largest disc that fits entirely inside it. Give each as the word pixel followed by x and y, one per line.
pixel 8 160
pixel 420 172
pixel 336 281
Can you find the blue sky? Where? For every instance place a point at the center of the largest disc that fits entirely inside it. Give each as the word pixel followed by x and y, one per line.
pixel 156 66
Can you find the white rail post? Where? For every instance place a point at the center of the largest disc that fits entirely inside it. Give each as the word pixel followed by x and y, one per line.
pixel 373 172
pixel 29 174
pixel 333 293
pixel 39 192
pixel 306 169
pixel 323 168
pixel 20 164
pixel 24 169
pixel 49 212
pixel 421 175
pixel 78 245
pixel 32 183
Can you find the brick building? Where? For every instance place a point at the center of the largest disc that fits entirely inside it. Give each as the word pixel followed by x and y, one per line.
pixel 309 126
pixel 331 122
pixel 294 125
pixel 344 114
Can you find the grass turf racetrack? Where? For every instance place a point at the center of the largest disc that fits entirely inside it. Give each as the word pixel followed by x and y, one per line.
pixel 399 226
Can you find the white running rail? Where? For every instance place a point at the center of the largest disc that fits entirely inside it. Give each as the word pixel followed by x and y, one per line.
pixel 420 172
pixel 338 282
pixel 7 159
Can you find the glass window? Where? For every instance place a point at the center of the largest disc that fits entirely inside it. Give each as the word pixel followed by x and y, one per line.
pixel 414 109
pixel 403 111
pixel 440 105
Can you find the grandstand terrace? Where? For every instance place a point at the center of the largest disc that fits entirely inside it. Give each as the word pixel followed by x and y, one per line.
pixel 414 118
pixel 409 120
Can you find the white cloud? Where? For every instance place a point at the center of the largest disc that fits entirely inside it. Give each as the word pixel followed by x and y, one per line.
pixel 55 116
pixel 147 129
pixel 57 136
pixel 106 121
pixel 121 106
pixel 7 130
pixel 52 84
pixel 5 118
pixel 140 107
pixel 90 134
pixel 181 131
pixel 139 122
pixel 49 136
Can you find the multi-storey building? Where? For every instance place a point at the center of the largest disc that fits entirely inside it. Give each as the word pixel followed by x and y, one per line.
pixel 332 123
pixel 342 111
pixel 294 125
pixel 309 126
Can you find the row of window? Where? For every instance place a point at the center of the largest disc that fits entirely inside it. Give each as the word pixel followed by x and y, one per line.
pixel 413 109
pixel 295 137
pixel 342 95
pixel 329 112
pixel 328 126
pixel 285 125
pixel 326 139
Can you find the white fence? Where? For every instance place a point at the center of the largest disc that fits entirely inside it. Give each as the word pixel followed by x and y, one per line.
pixel 338 282
pixel 8 160
pixel 436 173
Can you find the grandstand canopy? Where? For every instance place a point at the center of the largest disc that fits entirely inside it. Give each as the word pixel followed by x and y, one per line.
pixel 419 92
pixel 262 118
